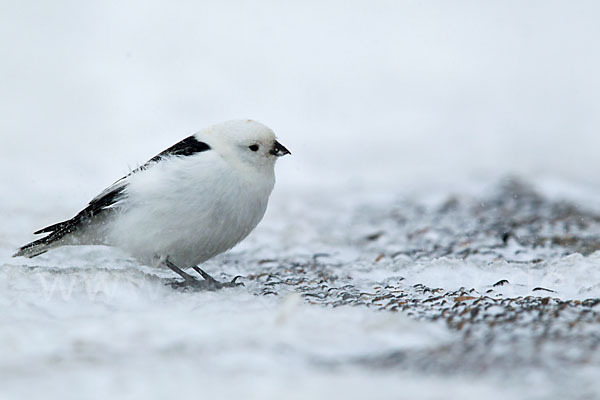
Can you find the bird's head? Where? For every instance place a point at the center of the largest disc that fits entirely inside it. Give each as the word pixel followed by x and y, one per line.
pixel 247 142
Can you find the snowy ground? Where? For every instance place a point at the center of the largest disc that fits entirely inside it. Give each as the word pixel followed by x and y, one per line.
pixel 396 259
pixel 495 293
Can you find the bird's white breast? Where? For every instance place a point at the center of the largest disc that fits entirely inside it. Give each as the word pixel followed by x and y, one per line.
pixel 190 209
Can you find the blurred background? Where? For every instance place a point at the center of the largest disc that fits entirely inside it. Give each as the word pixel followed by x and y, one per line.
pixel 398 94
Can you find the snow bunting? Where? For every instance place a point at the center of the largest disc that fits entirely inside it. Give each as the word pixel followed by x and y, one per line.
pixel 184 206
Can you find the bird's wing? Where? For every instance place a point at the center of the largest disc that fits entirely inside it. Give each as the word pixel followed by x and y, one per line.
pixel 187 147
pixel 104 201
pixel 109 198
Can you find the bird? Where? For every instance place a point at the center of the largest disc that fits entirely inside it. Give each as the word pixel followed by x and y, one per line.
pixel 189 203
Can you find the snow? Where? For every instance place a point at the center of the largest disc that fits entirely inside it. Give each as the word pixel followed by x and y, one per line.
pixel 376 271
pixel 570 277
pixel 321 314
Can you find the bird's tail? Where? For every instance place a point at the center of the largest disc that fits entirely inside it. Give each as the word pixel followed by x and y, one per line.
pixel 40 246
pixel 35 248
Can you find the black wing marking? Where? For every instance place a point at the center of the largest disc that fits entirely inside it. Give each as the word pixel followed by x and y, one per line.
pixel 187 147
pixel 114 193
pixel 108 198
pixel 100 203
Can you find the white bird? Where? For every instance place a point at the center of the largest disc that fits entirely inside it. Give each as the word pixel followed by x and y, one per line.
pixel 184 206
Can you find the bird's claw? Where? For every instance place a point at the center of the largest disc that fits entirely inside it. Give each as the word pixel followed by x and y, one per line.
pixel 233 282
pixel 187 285
pixel 189 282
pixel 209 284
pixel 214 284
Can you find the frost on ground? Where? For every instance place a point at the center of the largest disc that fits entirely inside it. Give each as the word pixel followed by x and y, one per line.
pixel 493 294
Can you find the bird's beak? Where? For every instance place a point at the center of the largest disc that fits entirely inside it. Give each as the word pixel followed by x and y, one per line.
pixel 279 150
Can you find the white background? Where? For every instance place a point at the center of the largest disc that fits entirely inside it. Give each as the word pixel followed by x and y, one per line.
pixel 387 92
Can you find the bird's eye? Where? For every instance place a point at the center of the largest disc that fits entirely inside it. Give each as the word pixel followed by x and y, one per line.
pixel 253 147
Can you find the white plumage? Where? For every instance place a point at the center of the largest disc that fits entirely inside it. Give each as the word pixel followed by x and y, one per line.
pixel 191 202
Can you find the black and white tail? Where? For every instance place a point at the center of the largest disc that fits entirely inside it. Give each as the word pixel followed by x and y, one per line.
pixel 40 246
pixel 59 233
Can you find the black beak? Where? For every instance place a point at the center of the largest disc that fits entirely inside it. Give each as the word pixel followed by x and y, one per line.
pixel 279 150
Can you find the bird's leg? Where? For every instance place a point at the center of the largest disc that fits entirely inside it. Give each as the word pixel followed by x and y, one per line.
pixel 190 280
pixel 215 284
pixel 209 283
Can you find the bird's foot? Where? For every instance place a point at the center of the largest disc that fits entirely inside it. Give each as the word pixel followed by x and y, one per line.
pixel 214 284
pixel 195 285
pixel 203 285
pixel 189 282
